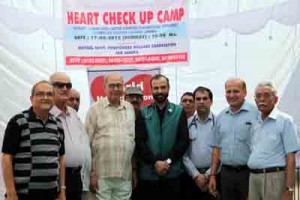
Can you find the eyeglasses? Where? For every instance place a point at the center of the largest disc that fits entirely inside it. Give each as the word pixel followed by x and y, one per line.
pixel 74 99
pixel 264 95
pixel 61 85
pixel 44 94
pixel 115 85
pixel 188 100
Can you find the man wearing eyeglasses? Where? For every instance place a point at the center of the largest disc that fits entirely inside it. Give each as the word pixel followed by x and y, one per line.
pixel 110 123
pixel 33 150
pixel 273 147
pixel 74 134
pixel 188 104
pixel 197 158
pixel 74 99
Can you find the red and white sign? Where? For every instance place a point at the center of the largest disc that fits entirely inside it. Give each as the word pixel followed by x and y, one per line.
pixel 132 77
pixel 141 35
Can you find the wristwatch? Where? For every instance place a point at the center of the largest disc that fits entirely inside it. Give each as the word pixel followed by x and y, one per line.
pixel 169 161
pixel 289 189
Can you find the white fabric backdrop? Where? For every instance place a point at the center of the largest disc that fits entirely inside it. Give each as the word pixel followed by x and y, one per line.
pixel 254 39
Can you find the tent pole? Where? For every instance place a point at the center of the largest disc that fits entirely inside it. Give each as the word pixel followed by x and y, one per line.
pixel 54 39
pixel 236 44
pixel 176 83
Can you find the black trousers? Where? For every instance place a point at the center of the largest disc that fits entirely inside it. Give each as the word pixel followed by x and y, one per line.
pixel 190 191
pixel 160 189
pixel 39 195
pixel 136 192
pixel 235 183
pixel 73 183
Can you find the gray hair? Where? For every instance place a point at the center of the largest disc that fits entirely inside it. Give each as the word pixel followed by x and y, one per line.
pixel 267 84
pixel 38 83
pixel 112 74
pixel 54 75
pixel 240 80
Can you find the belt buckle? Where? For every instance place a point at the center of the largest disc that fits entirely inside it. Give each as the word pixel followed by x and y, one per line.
pixel 238 168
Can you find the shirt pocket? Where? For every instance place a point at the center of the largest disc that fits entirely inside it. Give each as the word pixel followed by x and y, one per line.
pixel 272 136
pixel 129 128
pixel 103 125
pixel 243 131
pixel 193 134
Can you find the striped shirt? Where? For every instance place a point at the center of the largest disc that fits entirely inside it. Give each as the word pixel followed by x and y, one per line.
pixel 36 147
pixel 112 138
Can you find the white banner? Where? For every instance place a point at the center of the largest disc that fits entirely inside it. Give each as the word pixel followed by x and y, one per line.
pixel 133 35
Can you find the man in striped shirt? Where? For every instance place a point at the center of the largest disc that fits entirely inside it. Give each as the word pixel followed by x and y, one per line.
pixel 110 123
pixel 33 150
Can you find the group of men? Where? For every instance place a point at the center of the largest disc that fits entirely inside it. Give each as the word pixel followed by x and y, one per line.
pixel 160 151
pixel 245 152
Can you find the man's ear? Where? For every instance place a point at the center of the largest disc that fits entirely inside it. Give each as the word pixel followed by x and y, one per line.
pixel 276 99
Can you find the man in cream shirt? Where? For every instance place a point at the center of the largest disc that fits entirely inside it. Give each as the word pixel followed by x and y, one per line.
pixel 110 123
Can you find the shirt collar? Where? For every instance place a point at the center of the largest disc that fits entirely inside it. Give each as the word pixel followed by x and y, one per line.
pixel 57 112
pixel 169 107
pixel 106 103
pixel 209 117
pixel 245 107
pixel 32 115
pixel 273 115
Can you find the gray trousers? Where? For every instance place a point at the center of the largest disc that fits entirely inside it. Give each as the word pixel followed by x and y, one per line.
pixel 266 186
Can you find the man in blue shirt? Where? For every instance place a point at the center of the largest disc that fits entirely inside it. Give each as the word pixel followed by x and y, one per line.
pixel 273 147
pixel 233 142
pixel 197 159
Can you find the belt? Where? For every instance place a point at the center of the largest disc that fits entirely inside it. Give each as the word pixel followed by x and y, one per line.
pixel 236 168
pixel 202 170
pixel 73 170
pixel 267 170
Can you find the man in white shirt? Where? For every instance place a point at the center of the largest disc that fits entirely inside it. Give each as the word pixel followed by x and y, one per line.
pixel 74 134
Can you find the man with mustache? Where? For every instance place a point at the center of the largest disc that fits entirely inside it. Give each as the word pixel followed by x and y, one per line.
pixel 188 104
pixel 74 102
pixel 33 150
pixel 162 139
pixel 134 95
pixel 74 99
pixel 273 147
pixel 232 147
pixel 74 134
pixel 197 158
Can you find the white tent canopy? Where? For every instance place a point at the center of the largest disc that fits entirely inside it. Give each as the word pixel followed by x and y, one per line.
pixel 253 39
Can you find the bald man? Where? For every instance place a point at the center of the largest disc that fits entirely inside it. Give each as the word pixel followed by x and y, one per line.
pixel 110 123
pixel 74 99
pixel 74 134
pixel 232 146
